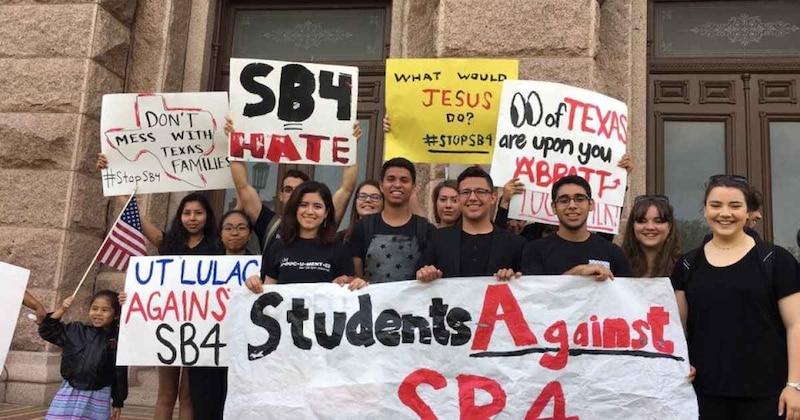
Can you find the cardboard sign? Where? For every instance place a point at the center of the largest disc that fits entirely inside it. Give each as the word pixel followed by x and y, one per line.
pixel 536 347
pixel 13 281
pixel 548 130
pixel 534 206
pixel 444 110
pixel 176 307
pixel 293 112
pixel 164 142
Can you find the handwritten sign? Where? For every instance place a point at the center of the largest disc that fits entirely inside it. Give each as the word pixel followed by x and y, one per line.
pixel 534 206
pixel 293 112
pixel 548 130
pixel 176 309
pixel 13 281
pixel 164 142
pixel 444 110
pixel 531 348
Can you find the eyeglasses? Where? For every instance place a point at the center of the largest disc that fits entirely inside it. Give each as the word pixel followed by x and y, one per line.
pixel 579 199
pixel 227 228
pixel 651 197
pixel 740 179
pixel 369 197
pixel 287 189
pixel 479 192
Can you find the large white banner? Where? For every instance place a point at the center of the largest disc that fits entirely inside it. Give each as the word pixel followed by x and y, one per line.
pixel 13 281
pixel 534 206
pixel 176 308
pixel 293 112
pixel 548 130
pixel 535 348
pixel 164 142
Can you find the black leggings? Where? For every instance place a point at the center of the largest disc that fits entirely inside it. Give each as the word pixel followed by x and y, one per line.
pixel 736 408
pixel 208 387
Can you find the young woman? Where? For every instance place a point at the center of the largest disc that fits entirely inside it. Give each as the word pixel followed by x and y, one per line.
pixel 93 387
pixel 193 232
pixel 651 244
pixel 369 200
pixel 209 385
pixel 307 251
pixel 738 298
pixel 445 198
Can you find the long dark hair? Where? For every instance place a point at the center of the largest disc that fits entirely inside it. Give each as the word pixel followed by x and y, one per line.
pixel 670 250
pixel 177 235
pixel 113 299
pixel 354 217
pixel 449 183
pixel 290 228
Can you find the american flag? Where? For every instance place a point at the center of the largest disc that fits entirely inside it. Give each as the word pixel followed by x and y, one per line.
pixel 125 239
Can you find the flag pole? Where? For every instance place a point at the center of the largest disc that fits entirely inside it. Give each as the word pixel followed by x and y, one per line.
pixel 91 264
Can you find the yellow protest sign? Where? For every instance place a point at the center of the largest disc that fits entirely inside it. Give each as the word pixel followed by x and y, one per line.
pixel 444 110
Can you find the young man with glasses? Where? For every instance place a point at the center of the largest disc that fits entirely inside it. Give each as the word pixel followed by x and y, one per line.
pixel 387 246
pixel 474 246
pixel 573 250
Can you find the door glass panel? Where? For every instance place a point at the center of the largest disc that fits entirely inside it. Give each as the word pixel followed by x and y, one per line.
pixel 310 35
pixel 332 175
pixel 784 143
pixel 726 29
pixel 693 151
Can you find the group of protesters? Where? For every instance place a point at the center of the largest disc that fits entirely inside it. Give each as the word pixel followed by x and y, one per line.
pixel 737 294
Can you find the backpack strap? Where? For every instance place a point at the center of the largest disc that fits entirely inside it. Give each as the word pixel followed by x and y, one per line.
pixel 274 224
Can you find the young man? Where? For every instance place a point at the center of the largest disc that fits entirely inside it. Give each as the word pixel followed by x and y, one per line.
pixel 265 221
pixel 473 247
pixel 573 250
pixel 387 246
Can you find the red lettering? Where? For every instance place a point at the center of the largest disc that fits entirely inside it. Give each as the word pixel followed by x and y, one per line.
pixel 596 337
pixel 313 146
pixel 586 118
pixel 151 308
pixel 430 93
pixel 551 391
pixel 171 305
pixel 524 168
pixel 500 296
pixel 581 335
pixel 543 177
pixel 337 149
pixel 136 306
pixel 280 146
pixel 202 308
pixel 556 334
pixel 467 384
pixel 237 144
pixel 616 333
pixel 487 97
pixel 256 145
pixel 657 317
pixel 639 326
pixel 407 391
pixel 446 97
pixel 222 297
pixel 573 104
pixel 622 132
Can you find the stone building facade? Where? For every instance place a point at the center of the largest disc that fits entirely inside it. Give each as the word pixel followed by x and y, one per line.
pixel 58 57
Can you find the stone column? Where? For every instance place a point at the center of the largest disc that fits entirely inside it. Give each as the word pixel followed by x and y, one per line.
pixel 56 62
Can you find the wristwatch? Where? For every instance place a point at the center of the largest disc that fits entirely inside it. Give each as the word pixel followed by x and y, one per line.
pixel 795 385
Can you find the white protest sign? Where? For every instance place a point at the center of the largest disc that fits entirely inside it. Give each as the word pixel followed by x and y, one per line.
pixel 164 142
pixel 176 307
pixel 293 112
pixel 534 206
pixel 13 281
pixel 537 347
pixel 548 130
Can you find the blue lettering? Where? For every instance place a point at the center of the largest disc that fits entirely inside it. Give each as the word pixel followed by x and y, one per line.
pixel 184 280
pixel 164 262
pixel 149 274
pixel 211 272
pixel 243 275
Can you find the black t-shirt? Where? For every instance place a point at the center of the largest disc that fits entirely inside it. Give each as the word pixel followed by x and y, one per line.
pixel 207 246
pixel 475 251
pixel 554 255
pixel 306 261
pixel 737 340
pixel 393 253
